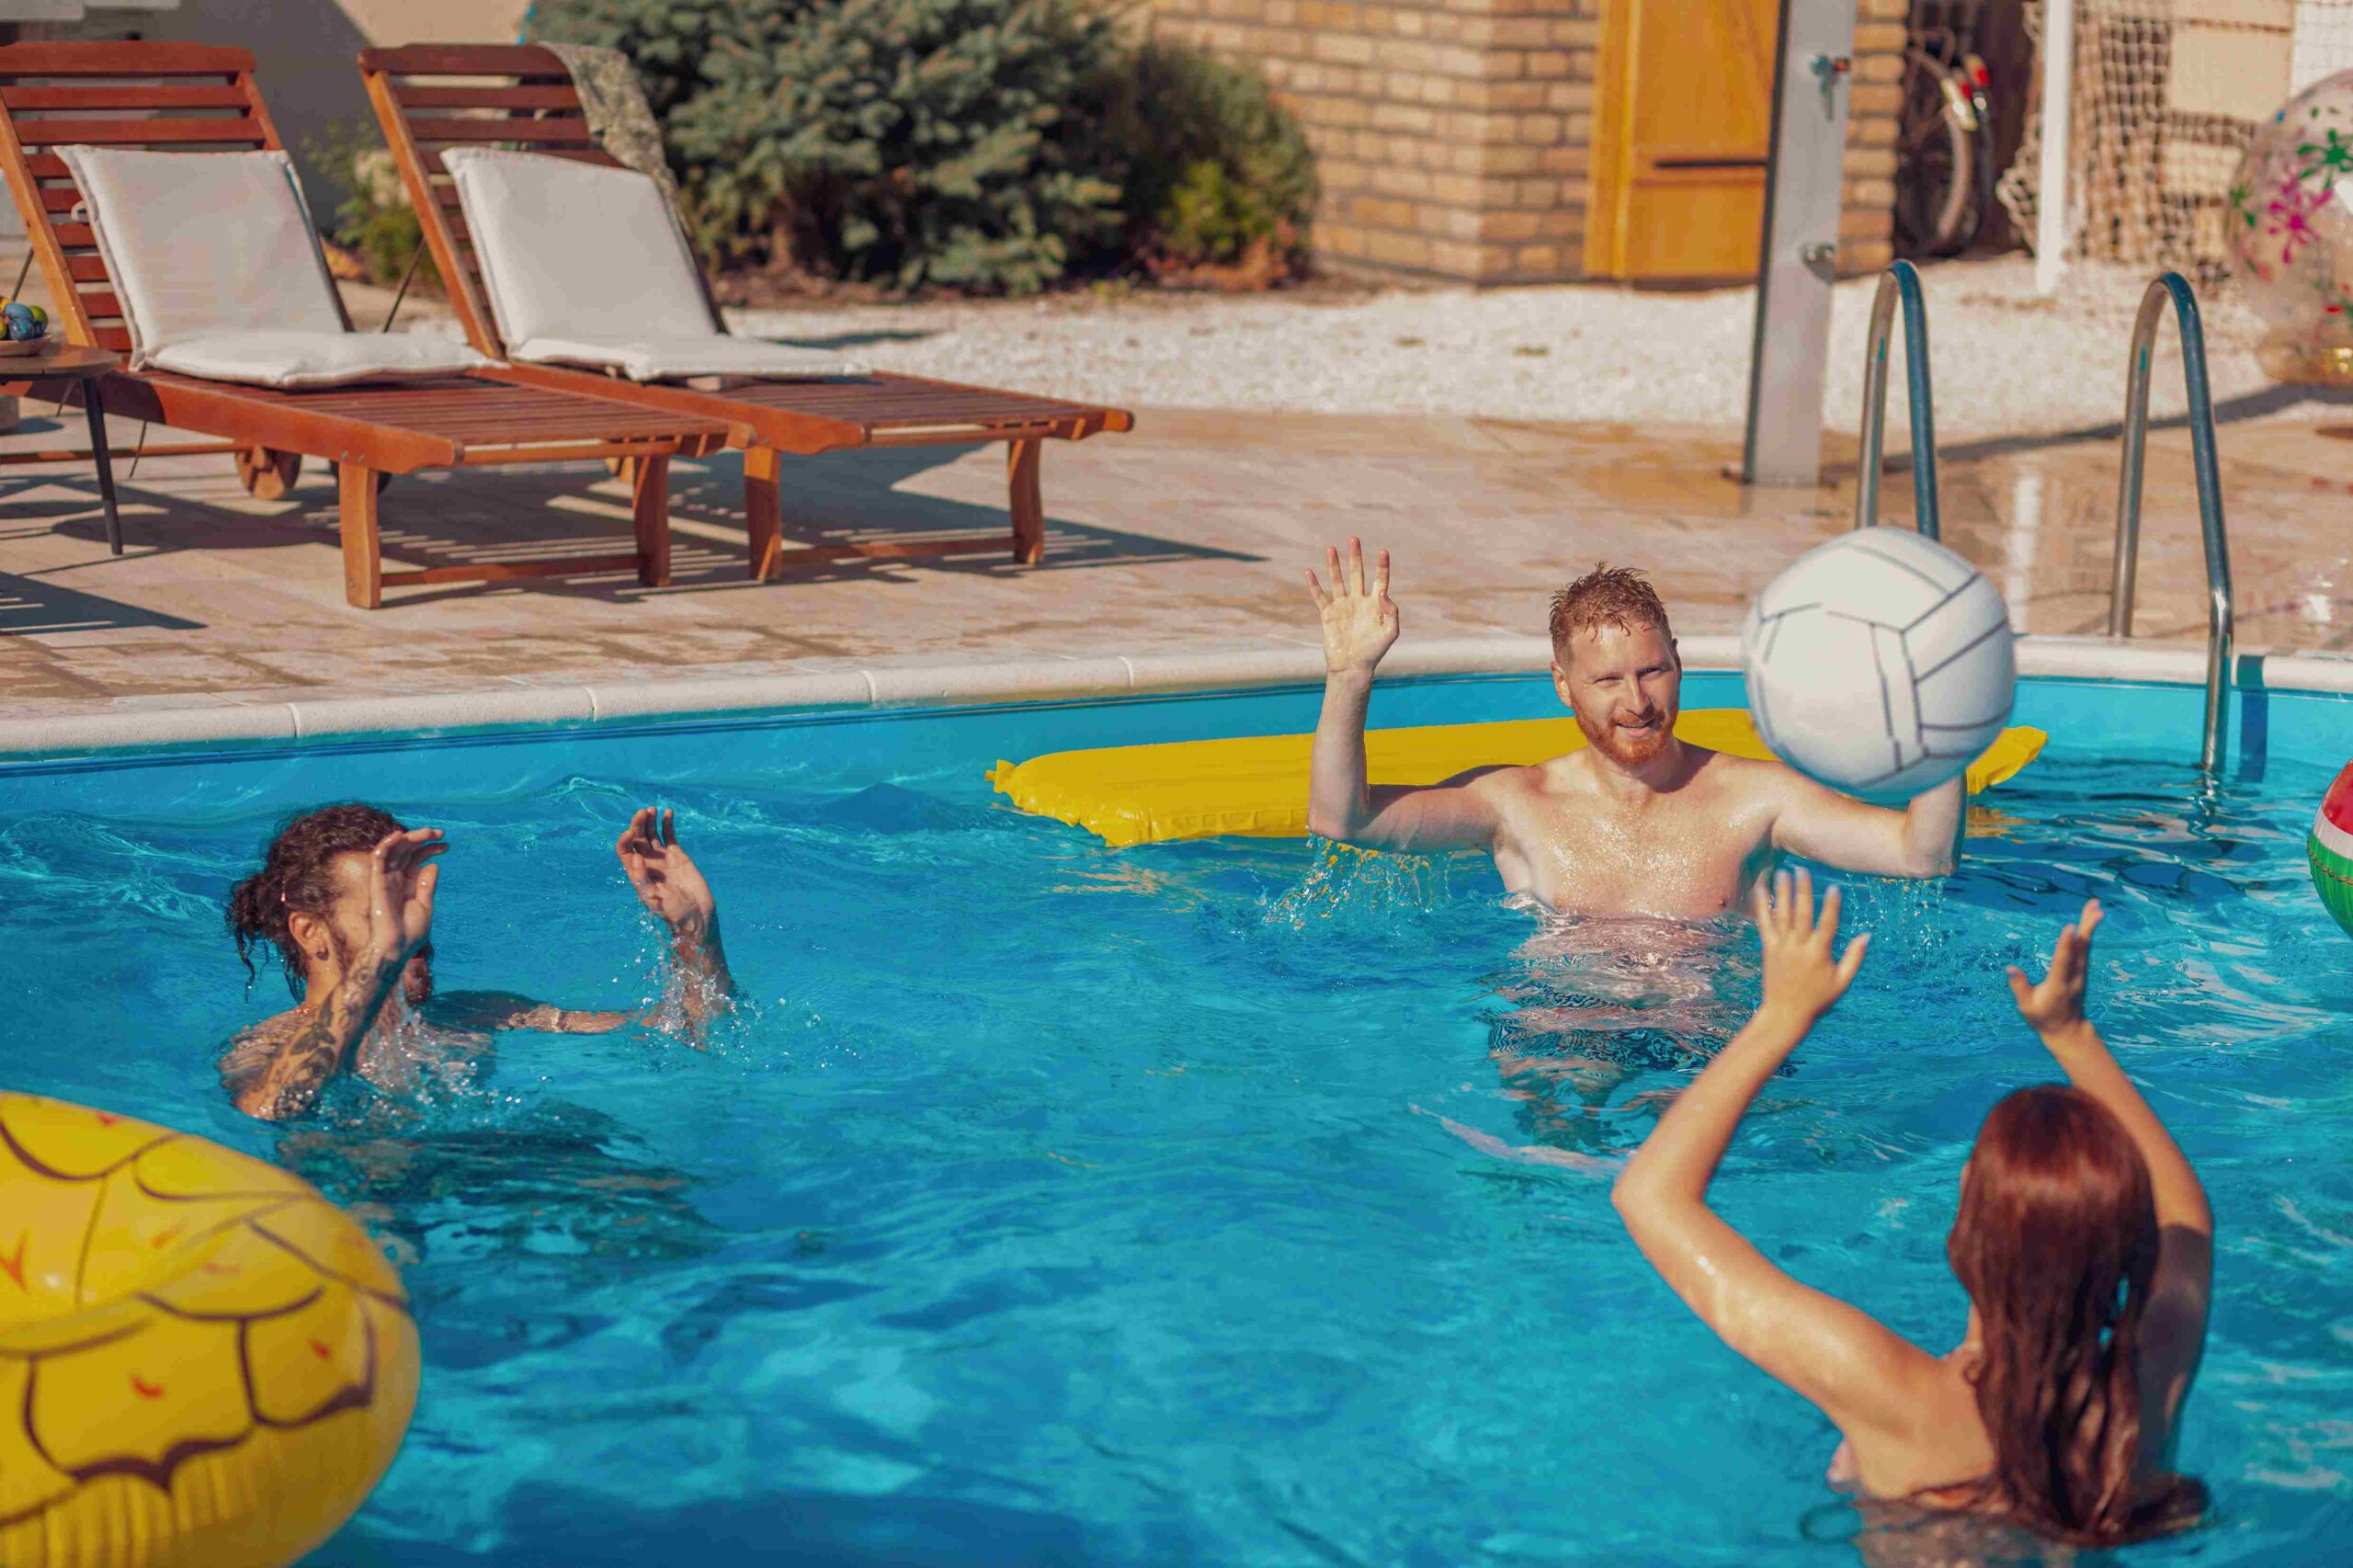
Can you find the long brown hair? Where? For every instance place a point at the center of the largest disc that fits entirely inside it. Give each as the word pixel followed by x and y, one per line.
pixel 2056 1242
pixel 294 880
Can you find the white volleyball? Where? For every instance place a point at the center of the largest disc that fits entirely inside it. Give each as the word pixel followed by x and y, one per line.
pixel 1880 663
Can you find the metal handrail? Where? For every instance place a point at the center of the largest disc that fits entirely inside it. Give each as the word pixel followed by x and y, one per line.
pixel 2219 624
pixel 1900 279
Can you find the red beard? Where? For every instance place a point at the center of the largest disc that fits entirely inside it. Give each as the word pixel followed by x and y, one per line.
pixel 1619 746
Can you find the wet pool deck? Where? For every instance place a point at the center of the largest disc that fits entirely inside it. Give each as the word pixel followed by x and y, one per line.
pixel 1187 534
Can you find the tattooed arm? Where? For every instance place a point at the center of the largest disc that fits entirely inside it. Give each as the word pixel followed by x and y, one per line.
pixel 670 885
pixel 313 1049
pixel 317 1042
pixel 492 1011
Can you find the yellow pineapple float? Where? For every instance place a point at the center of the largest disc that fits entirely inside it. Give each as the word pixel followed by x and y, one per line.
pixel 203 1361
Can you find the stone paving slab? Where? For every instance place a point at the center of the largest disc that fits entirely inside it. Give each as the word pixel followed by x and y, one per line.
pixel 1187 533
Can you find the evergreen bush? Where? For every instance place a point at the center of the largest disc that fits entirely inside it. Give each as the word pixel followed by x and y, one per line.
pixel 667 41
pixel 989 145
pixel 910 143
pixel 1212 167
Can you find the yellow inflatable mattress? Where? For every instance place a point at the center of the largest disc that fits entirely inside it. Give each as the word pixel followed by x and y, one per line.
pixel 1257 785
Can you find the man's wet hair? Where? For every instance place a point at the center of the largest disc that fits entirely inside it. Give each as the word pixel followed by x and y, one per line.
pixel 1607 595
pixel 295 878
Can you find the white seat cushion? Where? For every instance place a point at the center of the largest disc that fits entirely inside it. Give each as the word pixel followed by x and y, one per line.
pixel 219 274
pixel 674 359
pixel 202 243
pixel 586 266
pixel 315 358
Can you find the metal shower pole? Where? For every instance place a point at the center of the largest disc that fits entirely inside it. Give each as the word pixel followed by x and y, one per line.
pixel 1798 260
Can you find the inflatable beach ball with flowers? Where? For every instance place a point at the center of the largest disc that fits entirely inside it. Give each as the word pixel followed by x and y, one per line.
pixel 2292 233
pixel 2329 848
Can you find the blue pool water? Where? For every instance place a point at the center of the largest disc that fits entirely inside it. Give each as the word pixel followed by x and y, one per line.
pixel 1057 1205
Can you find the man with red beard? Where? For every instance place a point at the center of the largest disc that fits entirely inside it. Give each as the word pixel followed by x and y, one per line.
pixel 1637 822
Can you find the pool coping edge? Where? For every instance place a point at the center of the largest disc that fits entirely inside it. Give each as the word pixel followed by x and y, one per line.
pixel 940 682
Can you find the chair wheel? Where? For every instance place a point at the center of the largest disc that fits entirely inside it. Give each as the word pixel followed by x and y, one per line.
pixel 266 473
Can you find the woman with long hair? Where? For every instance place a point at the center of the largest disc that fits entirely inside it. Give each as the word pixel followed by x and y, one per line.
pixel 2084 1240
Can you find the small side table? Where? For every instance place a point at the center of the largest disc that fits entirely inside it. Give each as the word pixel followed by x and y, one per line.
pixel 71 362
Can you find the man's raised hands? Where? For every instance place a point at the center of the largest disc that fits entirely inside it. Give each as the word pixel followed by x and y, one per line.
pixel 667 881
pixel 1360 622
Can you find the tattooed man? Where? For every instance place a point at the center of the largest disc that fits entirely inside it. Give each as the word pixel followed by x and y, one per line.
pixel 344 894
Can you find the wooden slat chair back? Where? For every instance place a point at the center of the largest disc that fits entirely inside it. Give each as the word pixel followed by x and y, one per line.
pixel 194 98
pixel 439 97
pixel 186 97
pixel 430 97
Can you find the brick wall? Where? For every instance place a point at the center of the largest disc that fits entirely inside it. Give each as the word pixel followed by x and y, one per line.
pixel 1453 137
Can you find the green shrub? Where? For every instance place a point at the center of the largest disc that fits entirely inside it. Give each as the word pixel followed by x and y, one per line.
pixel 667 41
pixel 990 145
pixel 385 239
pixel 372 218
pixel 909 141
pixel 1212 164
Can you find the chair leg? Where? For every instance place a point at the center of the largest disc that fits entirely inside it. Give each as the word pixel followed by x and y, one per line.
pixel 93 407
pixel 764 510
pixel 1029 505
pixel 363 562
pixel 649 480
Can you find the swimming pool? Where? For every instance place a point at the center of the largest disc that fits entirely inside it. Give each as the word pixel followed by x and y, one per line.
pixel 1058 1204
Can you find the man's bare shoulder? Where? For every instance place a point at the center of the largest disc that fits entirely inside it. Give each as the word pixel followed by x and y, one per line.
pixel 1498 778
pixel 250 1049
pixel 1752 777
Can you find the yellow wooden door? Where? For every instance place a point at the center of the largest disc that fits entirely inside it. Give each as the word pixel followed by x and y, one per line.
pixel 1685 120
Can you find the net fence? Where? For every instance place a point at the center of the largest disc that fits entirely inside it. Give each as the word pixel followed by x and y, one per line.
pixel 2167 95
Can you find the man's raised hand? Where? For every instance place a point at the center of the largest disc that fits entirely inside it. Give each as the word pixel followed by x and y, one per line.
pixel 1360 622
pixel 667 879
pixel 401 879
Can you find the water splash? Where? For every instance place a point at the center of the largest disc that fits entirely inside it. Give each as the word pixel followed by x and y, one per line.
pixel 1343 882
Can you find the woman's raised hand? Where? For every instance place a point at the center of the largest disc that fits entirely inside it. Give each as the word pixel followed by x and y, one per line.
pixel 1803 977
pixel 2054 1004
pixel 1360 622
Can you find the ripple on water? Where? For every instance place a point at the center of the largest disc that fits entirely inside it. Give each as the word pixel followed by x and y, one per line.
pixel 1240 1202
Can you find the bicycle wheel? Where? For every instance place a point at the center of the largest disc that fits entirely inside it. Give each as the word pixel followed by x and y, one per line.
pixel 1938 163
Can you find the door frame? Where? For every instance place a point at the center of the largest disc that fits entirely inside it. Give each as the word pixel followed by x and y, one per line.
pixel 1609 185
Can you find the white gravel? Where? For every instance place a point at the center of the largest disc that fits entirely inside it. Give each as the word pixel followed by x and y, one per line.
pixel 2006 361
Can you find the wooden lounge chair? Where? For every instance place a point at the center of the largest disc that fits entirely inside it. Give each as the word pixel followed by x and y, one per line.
pixel 193 98
pixel 434 97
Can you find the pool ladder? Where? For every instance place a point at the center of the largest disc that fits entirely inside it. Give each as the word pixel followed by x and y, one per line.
pixel 1901 282
pixel 2219 621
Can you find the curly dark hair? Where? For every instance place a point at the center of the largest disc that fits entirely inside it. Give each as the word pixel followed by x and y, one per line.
pixel 293 880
